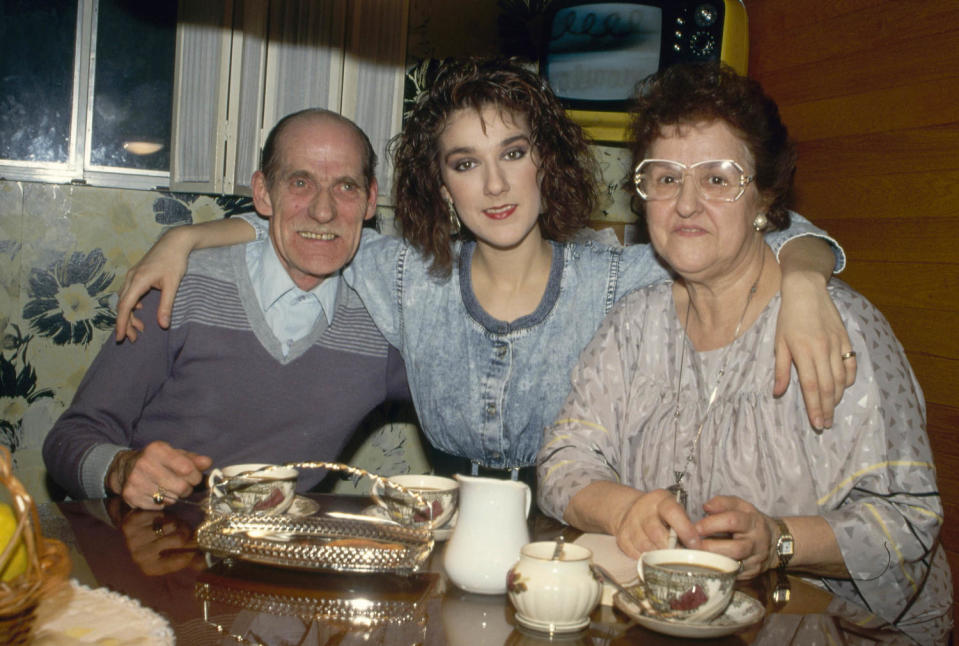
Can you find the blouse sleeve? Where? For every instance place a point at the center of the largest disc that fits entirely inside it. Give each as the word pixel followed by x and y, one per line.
pixel 583 445
pixel 884 505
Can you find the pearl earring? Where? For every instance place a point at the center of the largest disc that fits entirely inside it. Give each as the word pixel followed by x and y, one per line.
pixel 760 222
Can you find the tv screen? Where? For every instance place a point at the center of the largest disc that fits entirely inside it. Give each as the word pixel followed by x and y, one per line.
pixel 598 52
pixel 593 53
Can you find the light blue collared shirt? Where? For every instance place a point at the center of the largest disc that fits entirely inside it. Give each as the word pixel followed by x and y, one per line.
pixel 290 312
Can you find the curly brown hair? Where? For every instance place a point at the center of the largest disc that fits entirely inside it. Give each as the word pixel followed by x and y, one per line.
pixel 567 169
pixel 690 93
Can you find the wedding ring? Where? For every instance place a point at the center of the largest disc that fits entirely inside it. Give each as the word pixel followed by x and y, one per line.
pixel 848 355
pixel 158 527
pixel 159 496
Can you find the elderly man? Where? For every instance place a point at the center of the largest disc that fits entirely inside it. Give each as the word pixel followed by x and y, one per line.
pixel 269 356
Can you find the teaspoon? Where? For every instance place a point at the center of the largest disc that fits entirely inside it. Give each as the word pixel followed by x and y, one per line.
pixel 626 592
pixel 558 550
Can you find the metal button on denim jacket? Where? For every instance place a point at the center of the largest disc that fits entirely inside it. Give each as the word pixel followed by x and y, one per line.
pixel 486 389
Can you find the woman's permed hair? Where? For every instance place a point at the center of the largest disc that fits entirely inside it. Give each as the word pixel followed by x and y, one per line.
pixel 567 169
pixel 691 93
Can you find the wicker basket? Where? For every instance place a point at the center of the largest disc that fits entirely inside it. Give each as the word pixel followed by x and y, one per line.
pixel 48 565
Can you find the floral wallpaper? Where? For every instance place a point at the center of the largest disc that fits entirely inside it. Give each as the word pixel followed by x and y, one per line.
pixel 64 251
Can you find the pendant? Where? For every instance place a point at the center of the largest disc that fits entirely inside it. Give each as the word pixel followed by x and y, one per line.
pixel 679 492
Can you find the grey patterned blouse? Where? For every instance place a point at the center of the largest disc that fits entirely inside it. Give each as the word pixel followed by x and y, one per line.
pixel 871 476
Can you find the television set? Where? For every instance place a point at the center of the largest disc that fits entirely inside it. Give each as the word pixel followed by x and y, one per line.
pixel 594 52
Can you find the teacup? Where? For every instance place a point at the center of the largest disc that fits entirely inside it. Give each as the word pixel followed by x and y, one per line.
pixel 553 595
pixel 687 585
pixel 440 494
pixel 253 488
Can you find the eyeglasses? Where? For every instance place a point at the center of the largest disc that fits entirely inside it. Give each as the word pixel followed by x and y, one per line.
pixel 722 180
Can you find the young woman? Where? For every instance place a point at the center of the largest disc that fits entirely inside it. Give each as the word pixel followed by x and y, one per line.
pixel 485 295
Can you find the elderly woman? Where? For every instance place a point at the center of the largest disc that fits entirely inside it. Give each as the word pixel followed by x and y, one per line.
pixel 664 408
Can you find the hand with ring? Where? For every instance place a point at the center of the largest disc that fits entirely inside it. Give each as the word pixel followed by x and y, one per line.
pixel 156 475
pixel 744 530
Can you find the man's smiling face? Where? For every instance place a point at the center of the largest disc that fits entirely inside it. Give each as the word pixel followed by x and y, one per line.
pixel 318 198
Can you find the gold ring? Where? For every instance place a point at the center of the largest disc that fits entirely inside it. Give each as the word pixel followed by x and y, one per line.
pixel 158 527
pixel 848 355
pixel 159 496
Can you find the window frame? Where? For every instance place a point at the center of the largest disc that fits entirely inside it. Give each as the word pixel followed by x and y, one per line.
pixel 246 98
pixel 78 169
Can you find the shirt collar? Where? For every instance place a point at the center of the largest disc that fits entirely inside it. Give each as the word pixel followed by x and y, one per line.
pixel 271 280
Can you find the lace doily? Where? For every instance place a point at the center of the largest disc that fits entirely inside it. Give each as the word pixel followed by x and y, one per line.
pixel 78 615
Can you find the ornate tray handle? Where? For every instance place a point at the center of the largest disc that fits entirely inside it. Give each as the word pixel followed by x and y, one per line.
pixel 347 543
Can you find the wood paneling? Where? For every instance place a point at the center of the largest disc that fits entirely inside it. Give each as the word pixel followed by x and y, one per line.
pixel 906 194
pixel 917 240
pixel 796 80
pixel 918 150
pixel 939 378
pixel 942 425
pixel 931 332
pixel 926 286
pixel 876 33
pixel 870 92
pixel 929 104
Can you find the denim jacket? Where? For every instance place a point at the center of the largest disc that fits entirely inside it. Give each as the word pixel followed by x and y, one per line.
pixel 486 389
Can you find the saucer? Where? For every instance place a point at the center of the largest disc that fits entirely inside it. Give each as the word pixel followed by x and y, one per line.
pixel 743 611
pixel 443 533
pixel 547 627
pixel 439 534
pixel 301 507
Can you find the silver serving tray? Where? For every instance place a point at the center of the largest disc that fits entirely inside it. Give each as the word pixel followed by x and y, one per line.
pixel 335 542
pixel 316 543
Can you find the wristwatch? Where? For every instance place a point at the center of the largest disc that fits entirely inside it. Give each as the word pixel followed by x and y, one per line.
pixel 786 545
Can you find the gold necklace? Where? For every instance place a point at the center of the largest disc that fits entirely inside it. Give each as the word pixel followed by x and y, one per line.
pixel 677 489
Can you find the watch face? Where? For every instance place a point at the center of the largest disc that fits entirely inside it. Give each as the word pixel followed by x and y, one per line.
pixel 786 546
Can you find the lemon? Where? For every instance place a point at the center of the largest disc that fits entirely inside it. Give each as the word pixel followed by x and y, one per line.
pixel 8 524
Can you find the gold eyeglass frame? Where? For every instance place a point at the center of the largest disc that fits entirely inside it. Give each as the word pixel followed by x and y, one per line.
pixel 744 179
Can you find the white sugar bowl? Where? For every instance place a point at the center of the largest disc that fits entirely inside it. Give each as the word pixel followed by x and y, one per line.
pixel 553 595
